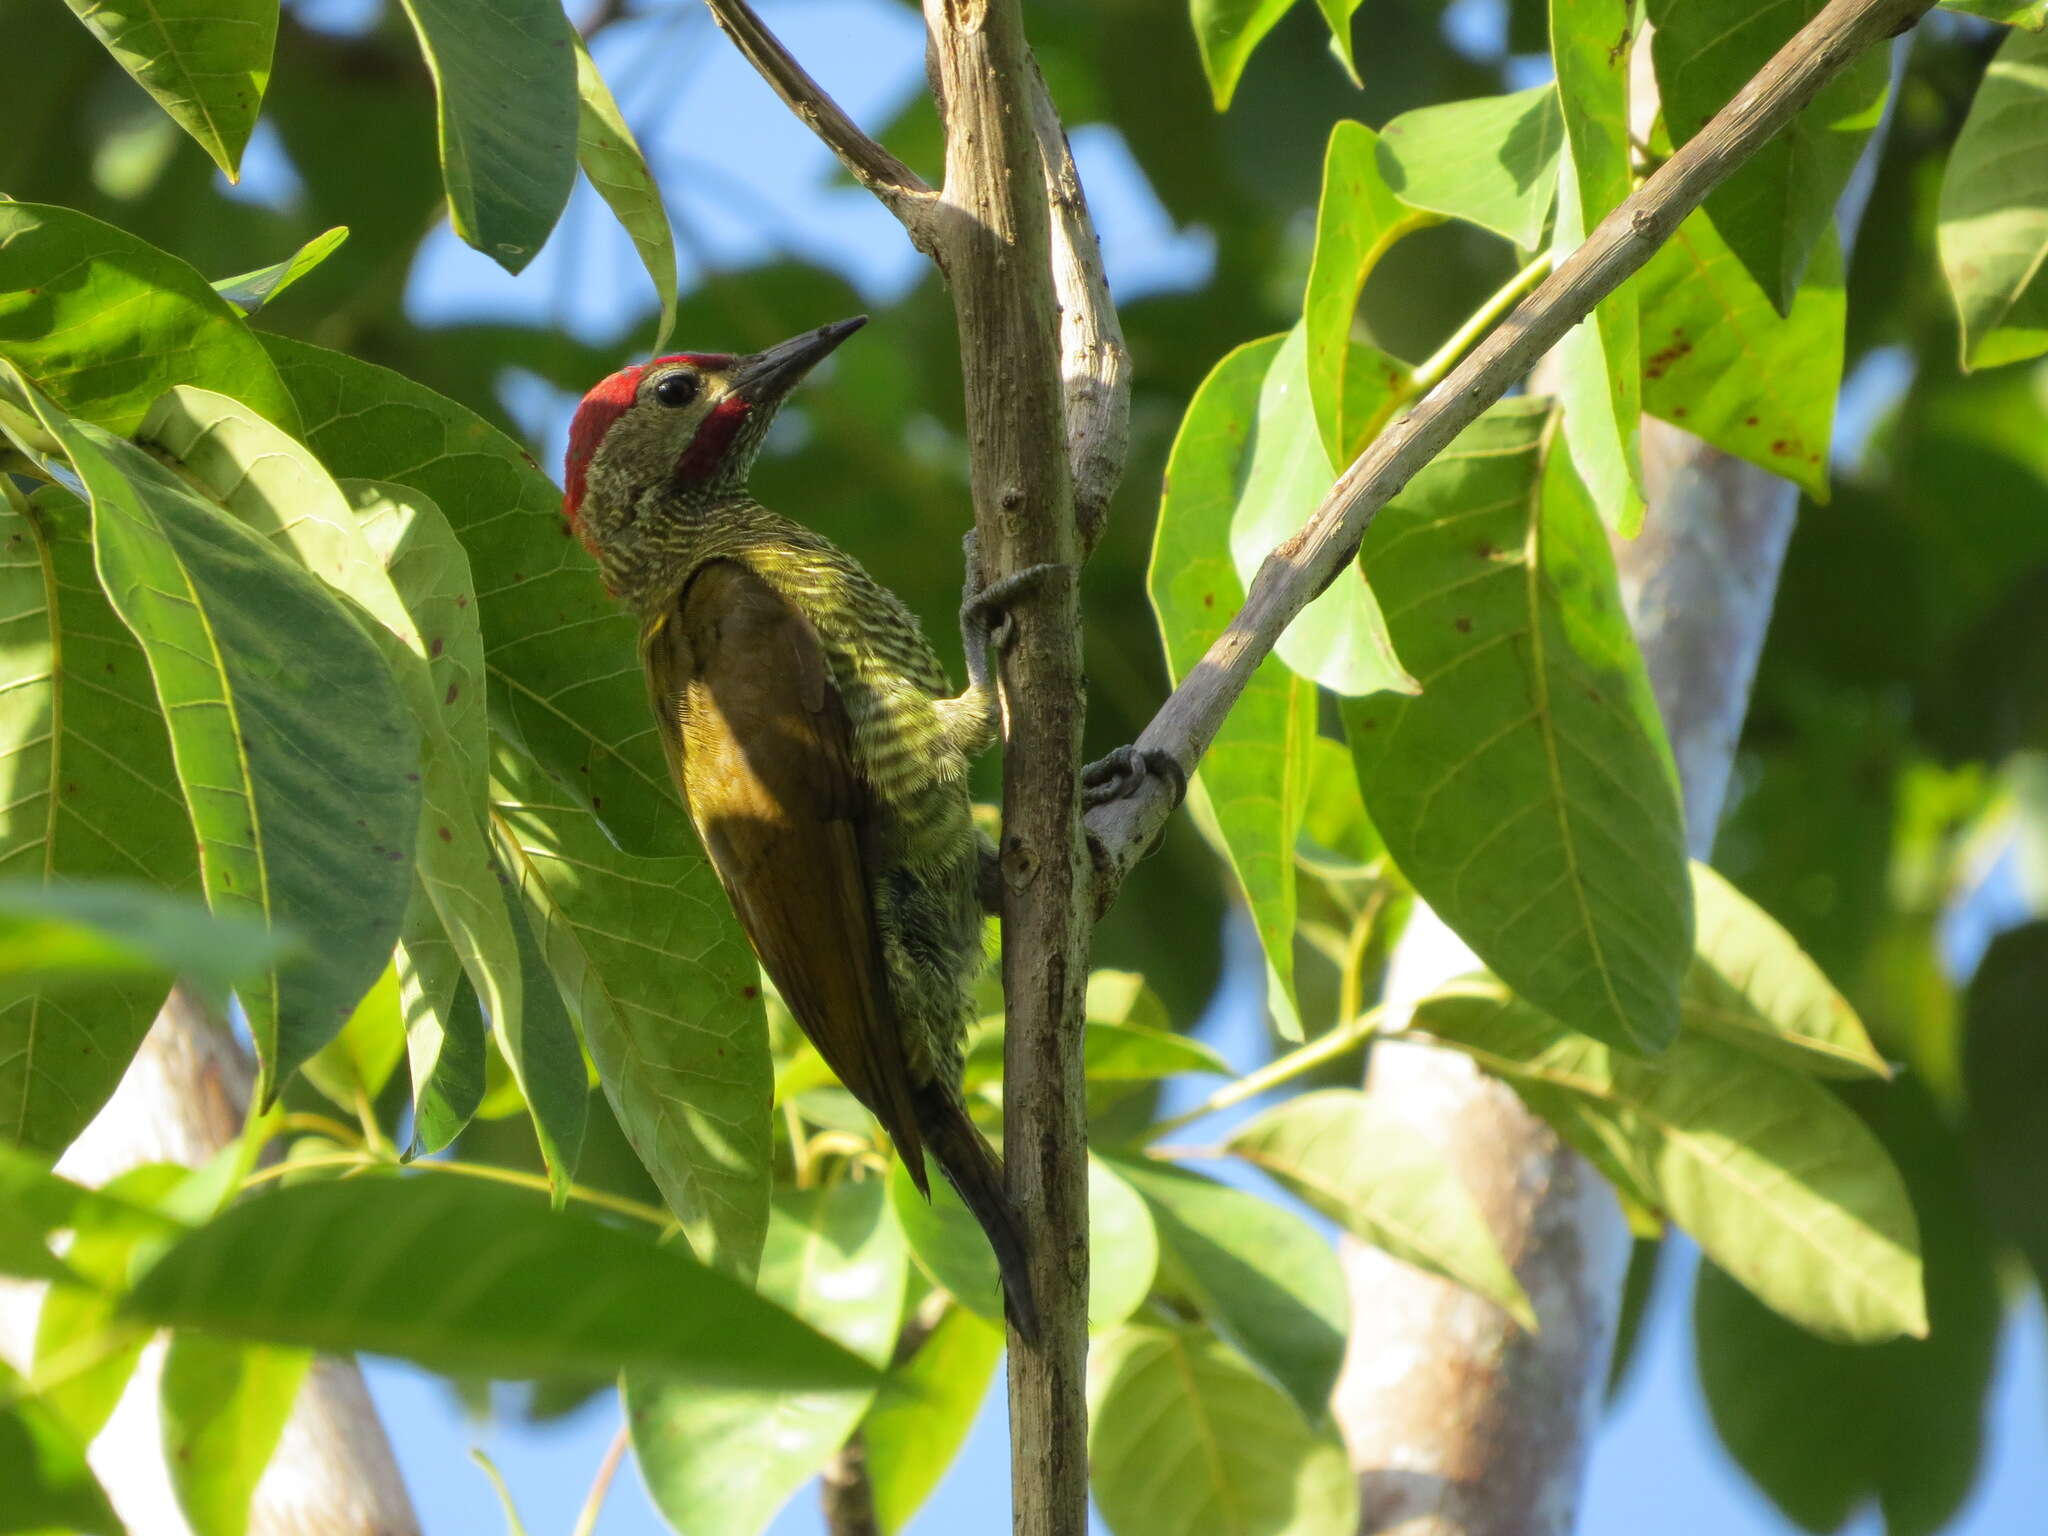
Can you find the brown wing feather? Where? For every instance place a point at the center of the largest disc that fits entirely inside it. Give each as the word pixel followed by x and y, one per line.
pixel 760 743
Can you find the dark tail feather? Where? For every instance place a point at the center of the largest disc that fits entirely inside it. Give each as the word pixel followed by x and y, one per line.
pixel 972 1168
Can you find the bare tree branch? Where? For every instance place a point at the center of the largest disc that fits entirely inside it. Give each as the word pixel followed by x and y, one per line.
pixel 901 190
pixel 1122 831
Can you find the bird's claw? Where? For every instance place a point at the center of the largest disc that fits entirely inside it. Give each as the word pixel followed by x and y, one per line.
pixel 984 610
pixel 1120 774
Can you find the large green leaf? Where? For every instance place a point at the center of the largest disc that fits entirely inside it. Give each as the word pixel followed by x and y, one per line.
pixel 68 930
pixel 1226 32
pixel 1774 208
pixel 289 735
pixel 1244 788
pixel 445 1032
pixel 86 775
pixel 611 159
pixel 1994 209
pixel 951 1248
pixel 545 1058
pixel 668 998
pixel 1264 1278
pixel 559 650
pixel 1824 1427
pixel 1599 363
pixel 225 1403
pixel 1491 161
pixel 923 1412
pixel 1528 794
pixel 1358 219
pixel 480 1280
pixel 1236 1455
pixel 1720 362
pixel 103 323
pixel 1778 1182
pixel 1376 1174
pixel 505 78
pixel 1339 640
pixel 42 1467
pixel 205 61
pixel 720 1463
pixel 1753 985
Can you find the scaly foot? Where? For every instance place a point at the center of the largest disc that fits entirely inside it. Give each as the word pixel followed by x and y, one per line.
pixel 1120 774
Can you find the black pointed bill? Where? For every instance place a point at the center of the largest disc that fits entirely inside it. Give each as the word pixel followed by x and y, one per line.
pixel 768 376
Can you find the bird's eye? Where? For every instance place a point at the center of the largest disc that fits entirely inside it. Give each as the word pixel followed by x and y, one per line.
pixel 677 389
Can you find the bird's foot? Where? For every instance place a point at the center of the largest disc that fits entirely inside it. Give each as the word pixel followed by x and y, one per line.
pixel 984 610
pixel 1120 774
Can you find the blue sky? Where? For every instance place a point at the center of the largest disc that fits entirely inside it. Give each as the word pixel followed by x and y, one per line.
pixel 1657 1466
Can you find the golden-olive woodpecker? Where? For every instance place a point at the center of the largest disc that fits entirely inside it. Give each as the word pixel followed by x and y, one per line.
pixel 809 728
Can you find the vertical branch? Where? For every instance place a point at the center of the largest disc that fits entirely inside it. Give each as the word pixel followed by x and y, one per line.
pixel 993 238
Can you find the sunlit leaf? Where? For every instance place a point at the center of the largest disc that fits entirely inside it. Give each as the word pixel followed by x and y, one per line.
pixel 1778 1182
pixel 1994 209
pixel 42 1467
pixel 224 1407
pixel 611 159
pixel 505 79
pixel 923 1412
pixel 289 735
pixel 1264 1278
pixel 720 1463
pixel 1720 362
pixel 1491 161
pixel 1528 794
pixel 103 323
pixel 250 291
pixel 1239 1454
pixel 1377 1175
pixel 1226 32
pixel 205 61
pixel 469 1278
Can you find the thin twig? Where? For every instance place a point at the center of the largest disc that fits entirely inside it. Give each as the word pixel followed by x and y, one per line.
pixel 1302 1059
pixel 902 191
pixel 1122 831
pixel 601 1484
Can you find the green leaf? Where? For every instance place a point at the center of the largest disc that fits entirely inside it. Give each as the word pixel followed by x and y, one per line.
pixel 556 644
pixel 1226 32
pixel 1338 14
pixel 1994 209
pixel 950 1247
pixel 1824 1428
pixel 1599 362
pixel 1358 219
pixel 721 1463
pixel 1491 161
pixel 1773 209
pixel 103 323
pixel 546 1060
pixel 444 1029
pixel 85 769
pixel 1263 1277
pixel 473 1279
pixel 42 1467
pixel 2005 1062
pixel 353 1067
pixel 2031 14
pixel 91 931
pixel 1528 794
pixel 1239 1456
pixel 1778 1182
pixel 1720 362
pixel 289 735
pixel 1337 837
pixel 1381 1179
pixel 1242 792
pixel 84 1354
pixel 224 1408
pixel 505 79
pixel 1753 985
pixel 668 999
pixel 1112 1053
pixel 923 1412
pixel 250 291
pixel 611 159
pixel 1340 639
pixel 205 61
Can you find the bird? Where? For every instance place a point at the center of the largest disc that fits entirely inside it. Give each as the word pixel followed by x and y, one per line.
pixel 813 737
